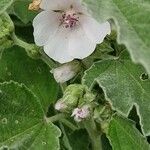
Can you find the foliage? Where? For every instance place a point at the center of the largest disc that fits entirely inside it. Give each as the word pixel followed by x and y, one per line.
pixel 111 81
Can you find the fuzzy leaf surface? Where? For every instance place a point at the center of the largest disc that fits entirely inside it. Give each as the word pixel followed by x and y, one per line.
pixel 22 124
pixel 124 136
pixel 123 86
pixel 17 66
pixel 4 4
pixel 22 12
pixel 133 23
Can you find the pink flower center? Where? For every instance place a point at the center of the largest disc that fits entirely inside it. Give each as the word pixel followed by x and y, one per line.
pixel 69 19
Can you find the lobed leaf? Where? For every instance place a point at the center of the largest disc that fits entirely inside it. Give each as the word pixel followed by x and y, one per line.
pixel 124 136
pixel 22 12
pixel 133 22
pixel 4 4
pixel 17 66
pixel 123 85
pixel 22 124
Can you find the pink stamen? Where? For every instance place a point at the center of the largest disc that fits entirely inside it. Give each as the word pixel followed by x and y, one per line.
pixel 69 20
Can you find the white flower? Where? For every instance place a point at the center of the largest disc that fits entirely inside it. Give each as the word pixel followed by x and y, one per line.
pixel 66 72
pixel 67 31
pixel 81 113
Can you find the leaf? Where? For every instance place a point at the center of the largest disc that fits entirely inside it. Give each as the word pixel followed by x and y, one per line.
pixel 22 12
pixel 79 140
pixel 122 83
pixel 133 22
pixel 4 4
pixel 16 65
pixel 105 143
pixel 101 52
pixel 22 124
pixel 124 136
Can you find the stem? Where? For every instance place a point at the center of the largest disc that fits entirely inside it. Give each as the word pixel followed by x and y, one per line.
pixel 29 47
pixel 61 118
pixel 55 118
pixel 68 124
pixel 63 86
pixel 94 134
pixel 47 60
pixel 65 138
pixel 20 43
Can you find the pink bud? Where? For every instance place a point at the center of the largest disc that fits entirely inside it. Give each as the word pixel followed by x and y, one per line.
pixel 81 113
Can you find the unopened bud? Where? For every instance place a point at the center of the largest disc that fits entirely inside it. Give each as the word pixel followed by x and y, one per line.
pixel 82 113
pixel 103 113
pixel 35 5
pixel 66 72
pixel 60 105
pixel 70 99
pixel 6 30
pixel 75 95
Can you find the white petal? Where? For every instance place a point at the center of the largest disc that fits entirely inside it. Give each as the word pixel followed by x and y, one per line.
pixel 55 4
pixel 57 48
pixel 80 46
pixel 94 30
pixel 45 25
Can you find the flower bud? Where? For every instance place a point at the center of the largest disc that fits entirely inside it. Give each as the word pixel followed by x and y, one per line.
pixel 70 99
pixel 7 28
pixel 103 113
pixel 60 105
pixel 66 72
pixel 75 95
pixel 35 5
pixel 82 113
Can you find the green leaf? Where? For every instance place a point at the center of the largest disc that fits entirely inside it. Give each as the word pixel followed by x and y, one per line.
pixel 4 4
pixel 101 52
pixel 133 22
pixel 124 136
pixel 122 83
pixel 22 123
pixel 16 65
pixel 79 140
pixel 22 12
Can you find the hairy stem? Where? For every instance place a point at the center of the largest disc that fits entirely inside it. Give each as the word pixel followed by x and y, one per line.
pixel 94 134
pixel 47 60
pixel 69 124
pixel 55 118
pixel 62 118
pixel 29 47
pixel 63 86
pixel 20 42
pixel 65 139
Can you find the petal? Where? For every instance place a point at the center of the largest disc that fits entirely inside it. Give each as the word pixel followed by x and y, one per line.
pixel 55 4
pixel 80 46
pixel 94 30
pixel 45 25
pixel 57 48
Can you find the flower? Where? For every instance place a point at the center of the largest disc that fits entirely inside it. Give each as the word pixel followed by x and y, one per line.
pixel 66 72
pixel 67 31
pixel 81 113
